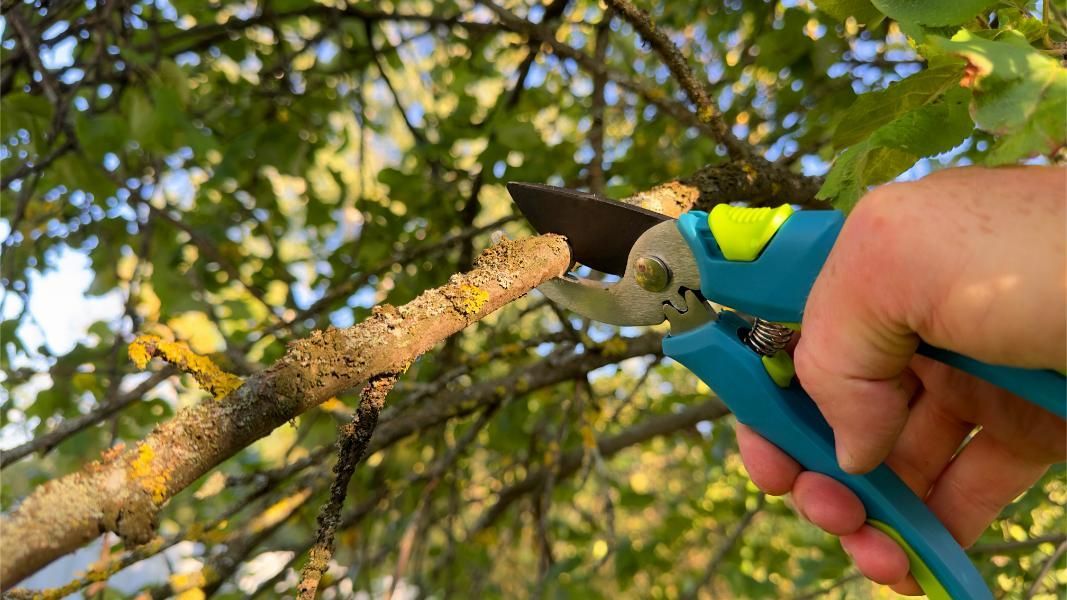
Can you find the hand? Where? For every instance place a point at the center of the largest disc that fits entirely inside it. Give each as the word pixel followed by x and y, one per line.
pixel 971 260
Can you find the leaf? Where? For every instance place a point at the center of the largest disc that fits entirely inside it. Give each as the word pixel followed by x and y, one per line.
pixel 782 47
pixel 931 129
pixel 861 10
pixel 874 109
pixel 100 134
pixel 928 130
pixel 932 12
pixel 1019 94
pixel 173 78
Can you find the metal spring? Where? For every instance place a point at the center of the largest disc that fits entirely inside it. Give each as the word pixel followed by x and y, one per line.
pixel 768 338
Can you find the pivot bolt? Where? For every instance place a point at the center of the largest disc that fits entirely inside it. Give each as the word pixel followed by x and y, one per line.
pixel 651 273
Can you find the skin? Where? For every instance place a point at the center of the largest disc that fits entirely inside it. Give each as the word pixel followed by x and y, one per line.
pixel 968 259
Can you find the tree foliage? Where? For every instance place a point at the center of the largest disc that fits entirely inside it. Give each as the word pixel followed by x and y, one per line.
pixel 232 176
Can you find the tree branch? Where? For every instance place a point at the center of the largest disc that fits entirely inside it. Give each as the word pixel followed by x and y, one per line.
pixel 755 181
pixel 696 91
pixel 124 491
pixel 45 442
pixel 351 448
pixel 570 462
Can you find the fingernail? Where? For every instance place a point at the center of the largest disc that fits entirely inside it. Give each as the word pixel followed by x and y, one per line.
pixel 844 458
pixel 844 547
pixel 798 509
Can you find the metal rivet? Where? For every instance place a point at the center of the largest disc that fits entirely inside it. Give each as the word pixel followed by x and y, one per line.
pixel 651 273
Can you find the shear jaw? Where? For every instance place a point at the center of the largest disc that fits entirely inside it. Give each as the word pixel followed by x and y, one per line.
pixel 659 283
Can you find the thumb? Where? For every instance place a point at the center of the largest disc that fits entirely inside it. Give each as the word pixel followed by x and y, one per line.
pixel 853 354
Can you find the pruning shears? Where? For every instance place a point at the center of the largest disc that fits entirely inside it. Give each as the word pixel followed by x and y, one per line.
pixel 759 262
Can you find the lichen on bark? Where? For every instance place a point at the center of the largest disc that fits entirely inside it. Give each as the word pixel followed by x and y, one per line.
pixel 106 495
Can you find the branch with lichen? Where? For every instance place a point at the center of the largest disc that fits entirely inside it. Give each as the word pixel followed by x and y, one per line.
pixel 352 445
pixel 206 373
pixel 755 181
pixel 124 490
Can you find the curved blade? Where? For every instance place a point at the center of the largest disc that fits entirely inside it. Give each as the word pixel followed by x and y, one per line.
pixel 601 232
pixel 625 302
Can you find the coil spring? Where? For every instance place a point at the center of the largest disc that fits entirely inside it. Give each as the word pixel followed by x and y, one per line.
pixel 768 338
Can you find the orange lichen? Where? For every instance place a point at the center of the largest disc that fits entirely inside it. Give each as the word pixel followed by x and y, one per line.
pixel 151 479
pixel 207 374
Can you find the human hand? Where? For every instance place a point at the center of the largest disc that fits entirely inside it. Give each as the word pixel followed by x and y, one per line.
pixel 970 260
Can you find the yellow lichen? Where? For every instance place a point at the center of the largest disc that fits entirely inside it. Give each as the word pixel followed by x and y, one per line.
pixel 471 299
pixel 143 471
pixel 207 374
pixel 189 586
pixel 616 346
pixel 182 582
pixel 139 353
pixel 279 511
pixel 588 438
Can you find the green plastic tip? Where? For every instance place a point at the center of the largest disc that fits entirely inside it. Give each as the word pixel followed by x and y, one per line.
pixel 780 368
pixel 922 573
pixel 742 232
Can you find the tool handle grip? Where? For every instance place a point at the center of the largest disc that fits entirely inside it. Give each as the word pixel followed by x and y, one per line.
pixel 789 419
pixel 775 287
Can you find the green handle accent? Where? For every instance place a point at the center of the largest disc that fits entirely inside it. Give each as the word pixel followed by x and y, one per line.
pixel 742 232
pixel 780 368
pixel 927 581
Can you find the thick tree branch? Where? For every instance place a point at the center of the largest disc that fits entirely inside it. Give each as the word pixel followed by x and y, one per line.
pixel 125 489
pixel 755 181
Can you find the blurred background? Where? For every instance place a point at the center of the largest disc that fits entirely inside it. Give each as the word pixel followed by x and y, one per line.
pixel 234 175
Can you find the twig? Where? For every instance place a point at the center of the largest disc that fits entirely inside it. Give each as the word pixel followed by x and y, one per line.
pixel 596 130
pixel 1001 547
pixel 44 443
pixel 696 91
pixel 833 586
pixel 726 546
pixel 351 448
pixel 1035 587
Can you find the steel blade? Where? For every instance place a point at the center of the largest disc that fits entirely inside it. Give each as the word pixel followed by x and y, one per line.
pixel 601 232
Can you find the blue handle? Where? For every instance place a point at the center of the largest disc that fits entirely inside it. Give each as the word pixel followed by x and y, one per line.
pixel 787 417
pixel 775 287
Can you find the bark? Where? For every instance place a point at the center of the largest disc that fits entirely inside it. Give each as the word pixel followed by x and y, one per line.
pixel 124 490
pixel 755 181
pixel 351 448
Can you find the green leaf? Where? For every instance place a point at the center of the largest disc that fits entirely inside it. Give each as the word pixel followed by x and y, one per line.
pixel 861 10
pixel 173 78
pixel 931 129
pixel 139 112
pixel 932 12
pixel 782 47
pixel 100 134
pixel 874 109
pixel 1020 94
pixel 928 130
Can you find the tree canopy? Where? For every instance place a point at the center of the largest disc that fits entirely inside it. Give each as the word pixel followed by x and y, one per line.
pixel 231 230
